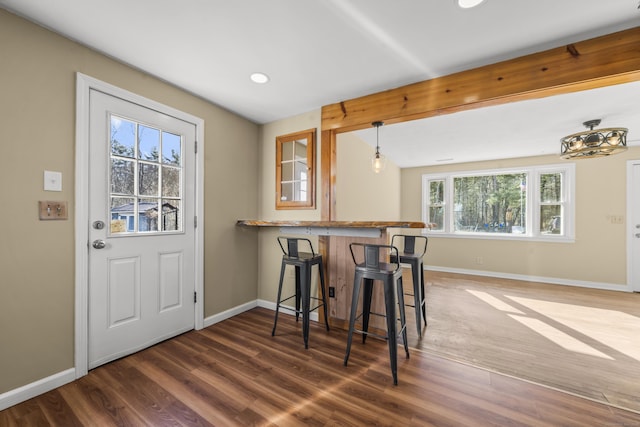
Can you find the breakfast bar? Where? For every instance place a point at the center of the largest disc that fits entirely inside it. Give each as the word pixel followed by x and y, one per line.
pixel 334 239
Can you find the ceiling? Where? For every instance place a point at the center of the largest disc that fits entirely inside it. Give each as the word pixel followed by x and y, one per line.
pixel 321 52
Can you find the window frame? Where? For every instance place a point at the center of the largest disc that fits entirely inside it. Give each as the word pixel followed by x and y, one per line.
pixel 533 205
pixel 310 203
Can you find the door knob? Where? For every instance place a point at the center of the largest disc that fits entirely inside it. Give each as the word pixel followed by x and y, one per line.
pixel 99 244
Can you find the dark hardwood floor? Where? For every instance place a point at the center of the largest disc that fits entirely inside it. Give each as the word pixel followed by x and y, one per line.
pixel 235 374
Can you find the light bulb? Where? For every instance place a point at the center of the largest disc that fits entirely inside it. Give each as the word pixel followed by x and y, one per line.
pixel 614 138
pixel 378 162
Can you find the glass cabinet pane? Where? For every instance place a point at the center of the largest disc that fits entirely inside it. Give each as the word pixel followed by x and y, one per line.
pixel 286 192
pixel 287 172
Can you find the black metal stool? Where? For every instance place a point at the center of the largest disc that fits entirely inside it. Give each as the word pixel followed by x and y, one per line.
pixel 303 262
pixel 412 255
pixel 390 275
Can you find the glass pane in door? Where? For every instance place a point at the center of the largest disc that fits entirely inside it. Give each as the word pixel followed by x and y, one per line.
pixel 146 164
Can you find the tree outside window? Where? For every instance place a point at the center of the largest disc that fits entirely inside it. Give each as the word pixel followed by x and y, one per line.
pixel 531 202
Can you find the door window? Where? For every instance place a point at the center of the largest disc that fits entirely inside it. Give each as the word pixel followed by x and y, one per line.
pixel 146 178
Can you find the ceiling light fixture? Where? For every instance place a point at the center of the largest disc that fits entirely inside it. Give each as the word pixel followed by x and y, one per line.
pixel 259 78
pixel 468 4
pixel 594 142
pixel 378 161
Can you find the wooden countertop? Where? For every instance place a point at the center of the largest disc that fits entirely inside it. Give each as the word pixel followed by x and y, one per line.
pixel 332 224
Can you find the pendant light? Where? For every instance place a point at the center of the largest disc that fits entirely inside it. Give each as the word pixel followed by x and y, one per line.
pixel 378 161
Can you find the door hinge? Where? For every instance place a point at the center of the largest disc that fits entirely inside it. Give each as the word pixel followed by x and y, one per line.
pixel 195 147
pixel 195 297
pixel 195 221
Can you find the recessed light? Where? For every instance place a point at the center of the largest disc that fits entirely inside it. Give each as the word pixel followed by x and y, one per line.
pixel 259 78
pixel 467 4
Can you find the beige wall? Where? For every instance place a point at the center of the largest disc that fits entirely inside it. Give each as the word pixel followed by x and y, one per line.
pixel 598 254
pixel 354 168
pixel 37 133
pixel 361 194
pixel 270 254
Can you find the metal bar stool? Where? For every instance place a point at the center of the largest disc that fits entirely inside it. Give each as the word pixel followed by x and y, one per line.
pixel 303 262
pixel 372 269
pixel 412 255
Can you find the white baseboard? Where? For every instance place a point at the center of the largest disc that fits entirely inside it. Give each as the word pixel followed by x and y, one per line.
pixel 540 279
pixel 272 306
pixel 26 392
pixel 212 320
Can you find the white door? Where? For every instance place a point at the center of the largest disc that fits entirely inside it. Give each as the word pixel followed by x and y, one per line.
pixel 141 232
pixel 633 215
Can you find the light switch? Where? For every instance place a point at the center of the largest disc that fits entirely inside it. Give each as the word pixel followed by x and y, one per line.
pixel 52 181
pixel 52 210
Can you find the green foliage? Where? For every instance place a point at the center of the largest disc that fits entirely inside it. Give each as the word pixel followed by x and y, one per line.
pixel 489 203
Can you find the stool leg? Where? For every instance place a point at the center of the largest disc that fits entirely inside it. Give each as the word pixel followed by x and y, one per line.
pixel 298 280
pixel 275 321
pixel 366 306
pixel 352 318
pixel 305 291
pixel 324 296
pixel 417 295
pixel 403 317
pixel 423 301
pixel 392 338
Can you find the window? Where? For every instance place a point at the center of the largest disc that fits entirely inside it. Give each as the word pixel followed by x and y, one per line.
pixel 146 178
pixel 534 202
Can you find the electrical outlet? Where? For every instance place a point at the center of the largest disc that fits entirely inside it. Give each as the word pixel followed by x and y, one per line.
pixel 617 219
pixel 332 292
pixel 479 260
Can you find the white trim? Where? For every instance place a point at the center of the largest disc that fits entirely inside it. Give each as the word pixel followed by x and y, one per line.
pixel 539 279
pixel 36 388
pixel 227 314
pixel 632 191
pixel 532 209
pixel 84 84
pixel 272 306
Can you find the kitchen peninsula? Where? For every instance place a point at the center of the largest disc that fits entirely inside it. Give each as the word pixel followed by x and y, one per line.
pixel 334 239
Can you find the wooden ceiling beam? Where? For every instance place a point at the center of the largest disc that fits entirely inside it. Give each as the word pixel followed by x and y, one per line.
pixel 598 62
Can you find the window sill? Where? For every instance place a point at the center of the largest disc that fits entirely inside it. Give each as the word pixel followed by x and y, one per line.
pixel 551 238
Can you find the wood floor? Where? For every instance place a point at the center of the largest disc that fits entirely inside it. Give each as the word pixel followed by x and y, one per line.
pixel 583 341
pixel 235 374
